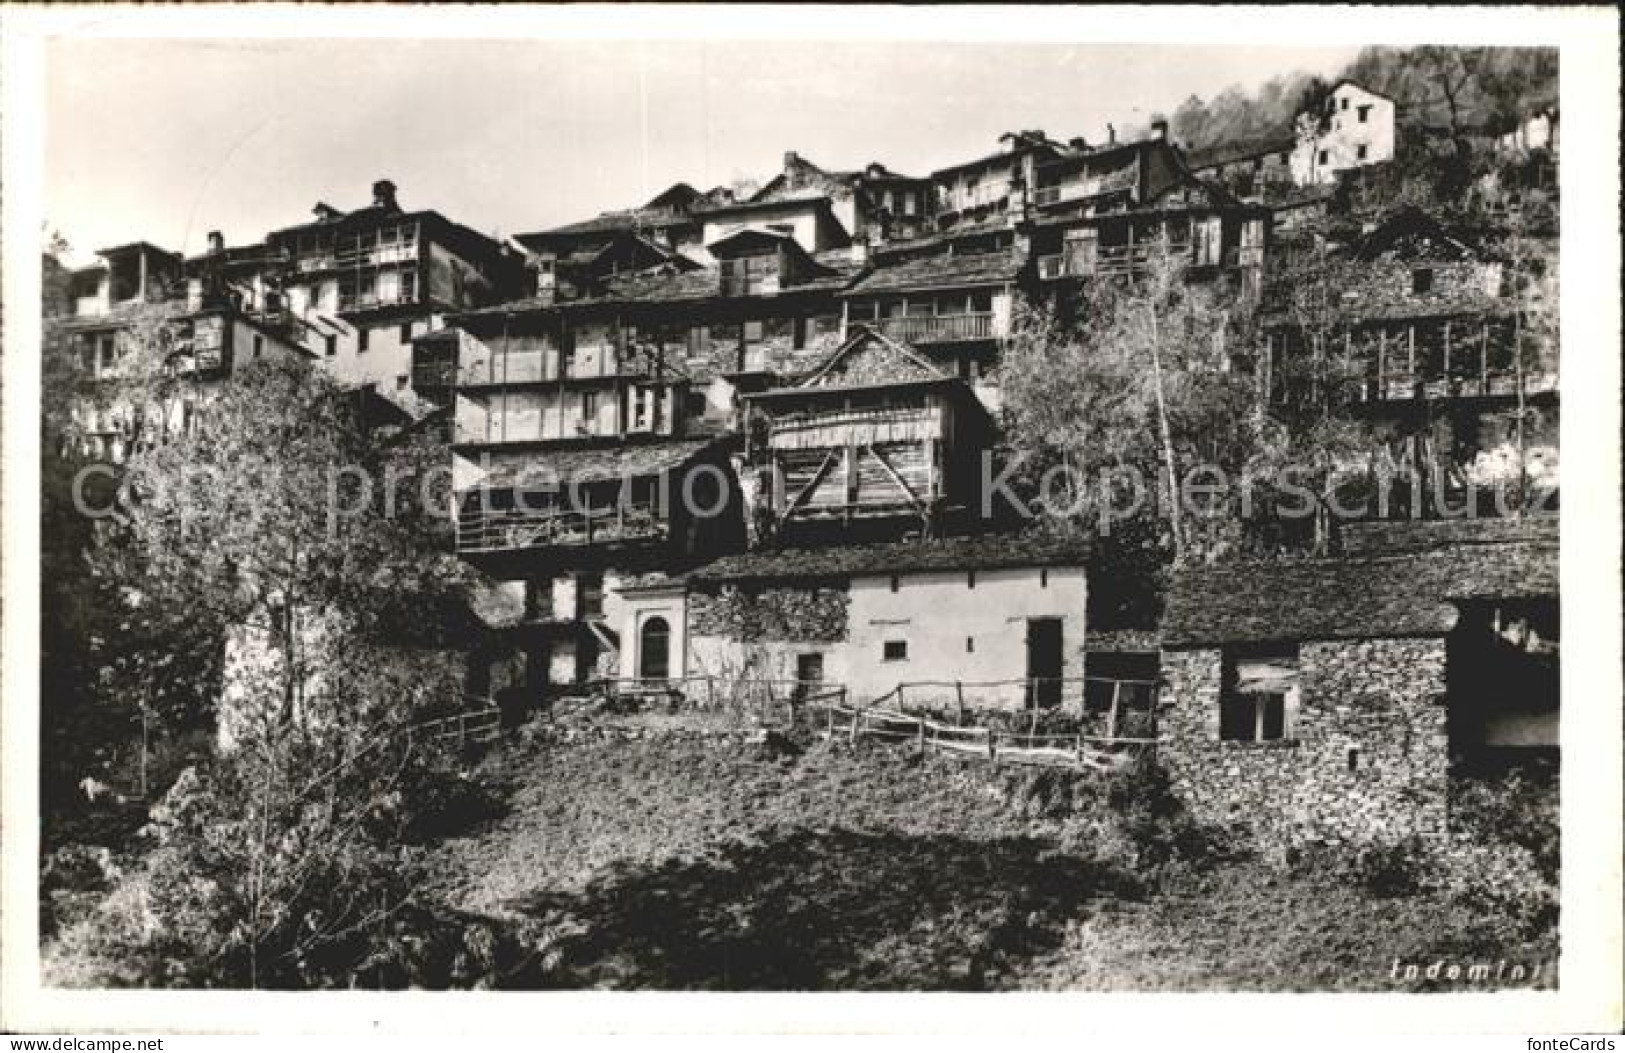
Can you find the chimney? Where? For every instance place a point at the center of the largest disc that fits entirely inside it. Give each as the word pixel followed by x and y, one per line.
pixel 1159 129
pixel 1111 135
pixel 383 196
pixel 1080 144
pixel 217 243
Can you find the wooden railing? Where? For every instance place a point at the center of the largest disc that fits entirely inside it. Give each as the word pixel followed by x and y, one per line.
pixel 480 724
pixel 939 328
pixel 492 530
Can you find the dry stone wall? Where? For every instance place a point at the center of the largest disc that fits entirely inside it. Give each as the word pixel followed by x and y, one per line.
pixel 1369 757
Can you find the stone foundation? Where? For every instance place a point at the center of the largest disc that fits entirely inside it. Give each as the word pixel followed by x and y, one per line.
pixel 1368 762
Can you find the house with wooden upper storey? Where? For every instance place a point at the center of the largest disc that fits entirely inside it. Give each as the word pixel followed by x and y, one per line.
pixel 1001 186
pixel 594 438
pixel 1330 700
pixel 825 210
pixel 878 440
pixel 364 284
pixel 950 298
pixel 873 564
pixel 136 309
pixel 1107 211
pixel 573 261
pixel 1442 345
pixel 575 468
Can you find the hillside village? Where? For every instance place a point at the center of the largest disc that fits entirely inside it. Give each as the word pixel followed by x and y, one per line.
pixel 724 437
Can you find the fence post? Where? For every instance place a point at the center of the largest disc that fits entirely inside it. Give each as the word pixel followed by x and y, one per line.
pixel 922 736
pixel 992 750
pixel 857 715
pixel 1111 715
pixel 959 695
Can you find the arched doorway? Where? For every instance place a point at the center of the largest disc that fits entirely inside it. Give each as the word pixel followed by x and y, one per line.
pixel 654 649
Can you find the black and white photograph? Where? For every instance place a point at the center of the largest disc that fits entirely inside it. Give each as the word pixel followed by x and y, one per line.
pixel 575 506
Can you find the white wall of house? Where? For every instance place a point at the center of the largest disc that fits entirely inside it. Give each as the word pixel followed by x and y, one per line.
pixel 1360 131
pixel 954 631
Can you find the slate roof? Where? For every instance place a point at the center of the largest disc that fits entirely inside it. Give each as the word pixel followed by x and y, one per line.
pixel 607 223
pixel 941 272
pixel 982 552
pixel 593 464
pixel 1370 597
pixel 1239 150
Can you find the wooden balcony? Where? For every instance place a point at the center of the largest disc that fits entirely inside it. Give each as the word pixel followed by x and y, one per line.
pixel 505 530
pixel 940 329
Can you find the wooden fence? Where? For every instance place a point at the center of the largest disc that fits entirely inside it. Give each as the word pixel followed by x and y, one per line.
pixel 1091 752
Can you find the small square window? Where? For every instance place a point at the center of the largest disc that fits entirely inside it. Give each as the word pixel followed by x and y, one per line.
pixel 1361 151
pixel 361 337
pixel 1422 280
pixel 1343 103
pixel 1365 114
pixel 332 345
pixel 1258 695
pixel 895 650
pixel 970 645
pixel 401 380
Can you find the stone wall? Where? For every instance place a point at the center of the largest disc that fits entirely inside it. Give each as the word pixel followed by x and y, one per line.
pixel 1367 762
pixel 780 614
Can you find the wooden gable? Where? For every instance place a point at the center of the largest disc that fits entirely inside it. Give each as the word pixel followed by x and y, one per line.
pixel 869 359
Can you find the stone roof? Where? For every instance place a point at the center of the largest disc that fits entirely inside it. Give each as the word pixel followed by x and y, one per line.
pixel 981 552
pixel 1369 597
pixel 1240 150
pixel 561 467
pixel 942 272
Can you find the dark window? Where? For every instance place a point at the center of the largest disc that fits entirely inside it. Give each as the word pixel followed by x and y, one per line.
pixel 590 596
pixel 895 582
pixel 1422 280
pixel 1043 577
pixel 1343 103
pixel 1360 152
pixel 1365 112
pixel 970 645
pixel 799 338
pixel 259 345
pixel 654 649
pixel 332 345
pixel 409 286
pixel 1257 689
pixel 589 406
pixel 970 579
pixel 895 651
pixel 406 332
pixel 538 599
pixel 401 380
pixel 1325 155
pixel 361 336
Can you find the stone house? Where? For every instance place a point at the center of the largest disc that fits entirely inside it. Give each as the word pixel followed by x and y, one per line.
pixel 1330 699
pixel 1431 344
pixel 1257 170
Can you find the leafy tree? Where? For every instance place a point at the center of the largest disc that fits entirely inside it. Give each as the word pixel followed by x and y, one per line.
pixel 1142 387
pixel 267 535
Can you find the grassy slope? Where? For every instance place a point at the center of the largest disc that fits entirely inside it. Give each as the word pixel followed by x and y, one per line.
pixel 674 864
